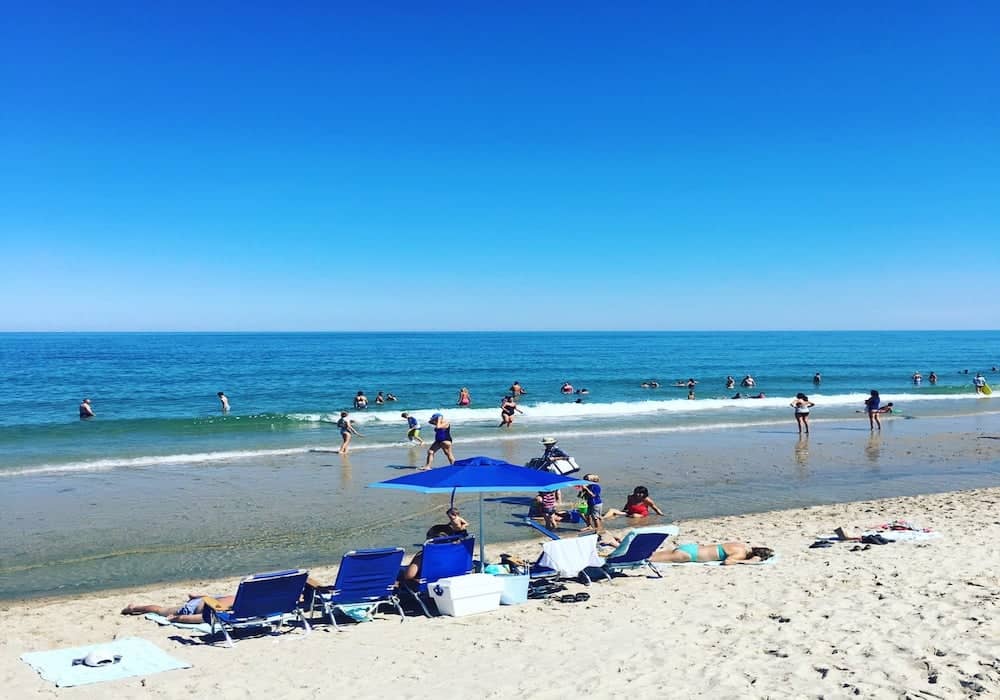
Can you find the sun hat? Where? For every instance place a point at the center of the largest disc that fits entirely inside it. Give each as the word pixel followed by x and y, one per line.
pixel 98 657
pixel 549 441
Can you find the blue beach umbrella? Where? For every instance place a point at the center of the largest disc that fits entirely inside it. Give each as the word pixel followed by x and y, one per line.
pixel 479 475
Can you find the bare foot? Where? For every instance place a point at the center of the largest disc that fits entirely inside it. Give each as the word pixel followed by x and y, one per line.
pixel 127 610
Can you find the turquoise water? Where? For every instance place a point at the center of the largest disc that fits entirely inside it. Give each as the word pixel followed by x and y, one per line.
pixel 155 394
pixel 161 487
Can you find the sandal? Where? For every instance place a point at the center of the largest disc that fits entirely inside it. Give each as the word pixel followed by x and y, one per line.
pixel 819 544
pixel 581 597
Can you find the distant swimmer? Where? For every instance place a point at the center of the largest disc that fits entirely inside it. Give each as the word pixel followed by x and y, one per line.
pixel 932 378
pixel 347 429
pixel 817 378
pixel 979 381
pixel 464 397
pixel 582 391
pixel 360 401
pixel 516 390
pixel 737 395
pixel 730 382
pixel 390 397
pixel 748 382
pixel 223 401
pixel 86 410
pixel 412 428
pixel 566 388
pixel 379 399
pixel 917 377
pixel 761 395
pixel 802 404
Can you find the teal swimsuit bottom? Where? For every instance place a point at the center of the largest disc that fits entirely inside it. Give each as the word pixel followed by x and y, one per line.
pixel 691 550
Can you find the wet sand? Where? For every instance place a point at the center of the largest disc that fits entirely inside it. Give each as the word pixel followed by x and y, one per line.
pixel 93 531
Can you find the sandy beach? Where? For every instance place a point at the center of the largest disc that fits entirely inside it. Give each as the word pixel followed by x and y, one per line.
pixel 915 619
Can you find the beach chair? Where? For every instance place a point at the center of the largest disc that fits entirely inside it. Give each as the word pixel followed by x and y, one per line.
pixel 268 599
pixel 575 557
pixel 637 547
pixel 440 558
pixel 366 579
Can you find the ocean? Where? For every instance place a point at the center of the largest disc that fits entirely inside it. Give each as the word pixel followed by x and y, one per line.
pixel 127 497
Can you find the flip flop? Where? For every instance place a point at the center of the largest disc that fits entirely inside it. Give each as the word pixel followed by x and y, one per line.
pixel 567 598
pixel 581 597
pixel 820 544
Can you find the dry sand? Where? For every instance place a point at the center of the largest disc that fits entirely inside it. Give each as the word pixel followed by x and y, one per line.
pixel 916 620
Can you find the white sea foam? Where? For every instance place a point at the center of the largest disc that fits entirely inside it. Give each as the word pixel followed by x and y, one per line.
pixel 557 411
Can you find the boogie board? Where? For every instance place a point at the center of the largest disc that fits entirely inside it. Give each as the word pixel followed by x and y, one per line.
pixel 986 390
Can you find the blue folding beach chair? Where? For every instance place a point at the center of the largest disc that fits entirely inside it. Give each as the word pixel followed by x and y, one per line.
pixel 440 558
pixel 366 579
pixel 573 558
pixel 637 547
pixel 268 599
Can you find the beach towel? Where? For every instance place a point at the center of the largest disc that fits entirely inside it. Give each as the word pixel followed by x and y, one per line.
pixel 139 657
pixel 570 557
pixel 202 627
pixel 767 562
pixel 904 535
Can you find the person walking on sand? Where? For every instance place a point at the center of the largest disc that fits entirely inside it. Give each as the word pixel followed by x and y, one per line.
pixel 86 410
pixel 872 408
pixel 442 440
pixel 464 397
pixel 412 429
pixel 802 404
pixel 223 401
pixel 346 430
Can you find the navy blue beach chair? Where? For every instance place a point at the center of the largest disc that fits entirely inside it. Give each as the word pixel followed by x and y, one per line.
pixel 440 558
pixel 366 579
pixel 268 599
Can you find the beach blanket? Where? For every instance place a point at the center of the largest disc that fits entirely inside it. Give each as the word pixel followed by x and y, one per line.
pixel 202 627
pixel 767 562
pixel 139 657
pixel 904 535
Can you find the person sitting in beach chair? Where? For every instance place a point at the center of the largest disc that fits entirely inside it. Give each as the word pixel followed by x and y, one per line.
pixel 727 552
pixel 412 570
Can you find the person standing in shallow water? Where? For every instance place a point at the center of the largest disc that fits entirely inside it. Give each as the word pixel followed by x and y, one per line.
pixel 347 429
pixel 872 408
pixel 442 440
pixel 86 411
pixel 802 404
pixel 223 402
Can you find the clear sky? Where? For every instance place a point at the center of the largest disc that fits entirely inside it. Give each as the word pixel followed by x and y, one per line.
pixel 517 165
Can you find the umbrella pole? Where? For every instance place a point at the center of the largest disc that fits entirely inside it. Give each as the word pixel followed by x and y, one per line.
pixel 482 547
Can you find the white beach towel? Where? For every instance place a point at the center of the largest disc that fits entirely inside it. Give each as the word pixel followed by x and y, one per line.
pixel 904 535
pixel 767 562
pixel 139 657
pixel 571 556
pixel 202 627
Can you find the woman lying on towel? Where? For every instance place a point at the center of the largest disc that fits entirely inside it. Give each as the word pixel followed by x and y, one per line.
pixel 727 552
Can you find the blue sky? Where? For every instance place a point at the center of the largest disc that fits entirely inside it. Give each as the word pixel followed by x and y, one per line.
pixel 439 166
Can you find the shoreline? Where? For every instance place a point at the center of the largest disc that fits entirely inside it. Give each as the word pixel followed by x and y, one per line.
pixel 316 505
pixel 881 621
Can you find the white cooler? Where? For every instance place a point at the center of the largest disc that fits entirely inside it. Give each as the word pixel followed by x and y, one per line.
pixel 467 595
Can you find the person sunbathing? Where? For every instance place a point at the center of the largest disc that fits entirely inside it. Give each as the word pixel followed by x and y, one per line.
pixel 190 613
pixel 726 552
pixel 637 505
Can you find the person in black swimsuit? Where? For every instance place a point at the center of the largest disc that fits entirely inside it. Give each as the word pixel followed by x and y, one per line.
pixel 442 440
